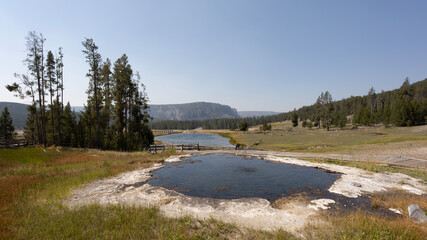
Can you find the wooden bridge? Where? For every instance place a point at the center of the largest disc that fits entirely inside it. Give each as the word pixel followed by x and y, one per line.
pixel 155 148
pixel 164 131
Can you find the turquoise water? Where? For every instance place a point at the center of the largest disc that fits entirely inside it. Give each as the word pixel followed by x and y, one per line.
pixel 228 176
pixel 204 139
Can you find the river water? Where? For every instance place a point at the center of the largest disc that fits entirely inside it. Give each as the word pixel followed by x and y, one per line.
pixel 204 139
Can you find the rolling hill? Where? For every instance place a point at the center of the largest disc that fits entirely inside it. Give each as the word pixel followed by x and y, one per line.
pixel 18 112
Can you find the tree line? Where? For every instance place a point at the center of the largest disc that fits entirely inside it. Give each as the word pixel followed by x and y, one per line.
pixel 114 117
pixel 405 106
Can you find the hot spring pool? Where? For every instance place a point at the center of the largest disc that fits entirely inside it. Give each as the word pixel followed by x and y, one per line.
pixel 228 176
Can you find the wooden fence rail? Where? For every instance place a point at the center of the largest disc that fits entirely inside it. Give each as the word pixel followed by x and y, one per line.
pixel 16 143
pixel 155 148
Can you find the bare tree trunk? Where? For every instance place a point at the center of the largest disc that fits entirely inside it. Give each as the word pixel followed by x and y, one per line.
pixel 39 89
pixel 52 122
pixel 98 121
pixel 58 114
pixel 39 137
pixel 43 95
pixel 61 107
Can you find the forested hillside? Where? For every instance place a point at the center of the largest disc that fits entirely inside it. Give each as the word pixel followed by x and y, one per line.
pixel 405 106
pixel 256 113
pixel 192 111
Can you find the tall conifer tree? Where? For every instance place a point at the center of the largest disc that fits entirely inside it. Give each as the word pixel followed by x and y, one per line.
pixel 94 60
pixel 7 130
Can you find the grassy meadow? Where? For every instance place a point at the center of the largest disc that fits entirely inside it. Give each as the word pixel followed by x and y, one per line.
pixel 363 140
pixel 33 183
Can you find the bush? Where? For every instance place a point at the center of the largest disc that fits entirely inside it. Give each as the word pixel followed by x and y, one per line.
pixel 294 119
pixel 243 126
pixel 304 123
pixel 265 127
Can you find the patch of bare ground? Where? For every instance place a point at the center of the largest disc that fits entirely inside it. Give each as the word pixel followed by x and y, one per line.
pixel 414 149
pixel 420 129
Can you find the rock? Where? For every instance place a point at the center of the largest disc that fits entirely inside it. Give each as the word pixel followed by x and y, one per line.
pixel 198 225
pixel 397 211
pixel 416 213
pixel 320 204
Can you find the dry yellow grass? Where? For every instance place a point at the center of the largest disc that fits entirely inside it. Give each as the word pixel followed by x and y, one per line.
pixel 398 200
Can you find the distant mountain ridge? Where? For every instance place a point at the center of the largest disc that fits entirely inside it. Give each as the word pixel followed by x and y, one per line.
pixel 192 111
pixel 180 112
pixel 18 113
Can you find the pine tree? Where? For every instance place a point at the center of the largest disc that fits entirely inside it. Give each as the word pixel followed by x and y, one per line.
pixel 342 120
pixel 25 88
pixel 94 60
pixel 386 116
pixel 69 127
pixel 30 129
pixel 265 127
pixel 294 119
pixel 372 100
pixel 35 64
pixel 36 85
pixel 107 110
pixel 243 126
pixel 7 130
pixel 122 80
pixel 59 92
pixel 324 101
pixel 51 80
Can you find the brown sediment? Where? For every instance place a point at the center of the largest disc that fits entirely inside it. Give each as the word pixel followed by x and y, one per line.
pixel 223 188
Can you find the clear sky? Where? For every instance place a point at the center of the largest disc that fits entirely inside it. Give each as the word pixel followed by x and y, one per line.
pixel 251 55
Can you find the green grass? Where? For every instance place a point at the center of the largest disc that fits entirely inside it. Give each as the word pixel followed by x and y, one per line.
pixel 32 156
pixel 229 136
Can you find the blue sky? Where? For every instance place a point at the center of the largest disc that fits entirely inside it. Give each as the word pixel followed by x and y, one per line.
pixel 251 55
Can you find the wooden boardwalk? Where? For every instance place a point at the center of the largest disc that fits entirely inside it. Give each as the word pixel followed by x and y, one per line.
pixel 156 148
pixel 164 131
